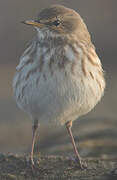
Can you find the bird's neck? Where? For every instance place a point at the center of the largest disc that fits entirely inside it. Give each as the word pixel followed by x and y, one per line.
pixel 50 38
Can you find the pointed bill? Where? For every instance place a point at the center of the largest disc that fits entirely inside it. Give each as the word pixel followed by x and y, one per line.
pixel 33 23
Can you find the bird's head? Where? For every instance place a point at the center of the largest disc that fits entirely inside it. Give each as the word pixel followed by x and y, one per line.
pixel 59 20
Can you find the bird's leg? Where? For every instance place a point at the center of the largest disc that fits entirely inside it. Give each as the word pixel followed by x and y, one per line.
pixel 68 126
pixel 34 133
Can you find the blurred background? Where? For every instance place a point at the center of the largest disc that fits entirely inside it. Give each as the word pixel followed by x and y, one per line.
pixel 96 133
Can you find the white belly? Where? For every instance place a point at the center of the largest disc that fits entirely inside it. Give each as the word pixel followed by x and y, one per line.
pixel 59 97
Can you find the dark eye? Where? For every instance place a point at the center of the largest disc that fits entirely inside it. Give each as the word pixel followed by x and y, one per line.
pixel 57 22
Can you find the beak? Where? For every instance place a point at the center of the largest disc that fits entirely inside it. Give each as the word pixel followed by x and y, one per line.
pixel 33 23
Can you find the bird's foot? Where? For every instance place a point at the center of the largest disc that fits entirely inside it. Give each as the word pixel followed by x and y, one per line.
pixel 31 163
pixel 82 165
pixel 78 163
pixel 114 171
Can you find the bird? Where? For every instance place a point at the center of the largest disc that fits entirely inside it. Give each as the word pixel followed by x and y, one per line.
pixel 59 76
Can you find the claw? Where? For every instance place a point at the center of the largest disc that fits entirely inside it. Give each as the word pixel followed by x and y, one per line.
pixel 83 165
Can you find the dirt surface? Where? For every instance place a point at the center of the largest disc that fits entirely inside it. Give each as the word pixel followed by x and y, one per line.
pixel 17 167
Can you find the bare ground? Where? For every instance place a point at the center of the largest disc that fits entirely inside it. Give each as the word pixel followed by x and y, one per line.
pixel 17 167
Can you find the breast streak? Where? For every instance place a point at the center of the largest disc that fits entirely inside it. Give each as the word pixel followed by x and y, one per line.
pixel 50 99
pixel 59 97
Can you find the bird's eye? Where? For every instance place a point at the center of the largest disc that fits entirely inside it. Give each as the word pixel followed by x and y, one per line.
pixel 57 22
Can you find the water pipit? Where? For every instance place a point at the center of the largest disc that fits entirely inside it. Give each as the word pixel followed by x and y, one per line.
pixel 59 77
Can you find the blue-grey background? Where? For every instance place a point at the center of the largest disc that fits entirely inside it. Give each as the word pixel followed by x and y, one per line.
pixel 95 132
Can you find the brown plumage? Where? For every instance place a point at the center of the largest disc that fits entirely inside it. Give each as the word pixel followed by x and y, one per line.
pixel 59 77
